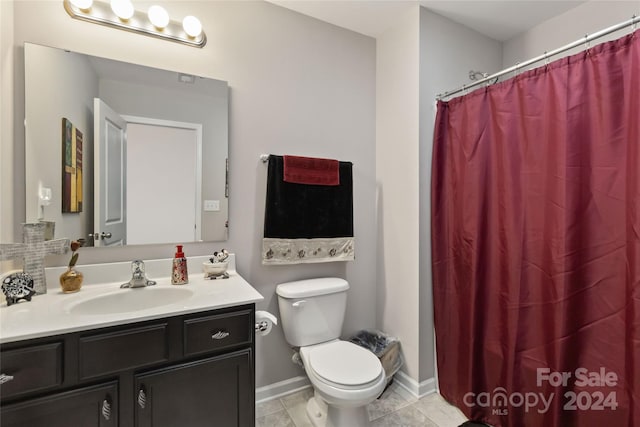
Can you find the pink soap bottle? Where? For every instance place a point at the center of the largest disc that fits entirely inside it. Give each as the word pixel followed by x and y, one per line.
pixel 179 274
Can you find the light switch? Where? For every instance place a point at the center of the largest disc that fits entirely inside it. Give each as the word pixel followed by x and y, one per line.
pixel 212 205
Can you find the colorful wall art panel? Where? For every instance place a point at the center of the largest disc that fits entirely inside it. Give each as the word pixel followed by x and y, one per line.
pixel 71 168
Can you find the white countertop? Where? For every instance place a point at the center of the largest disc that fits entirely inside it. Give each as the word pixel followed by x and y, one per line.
pixel 56 313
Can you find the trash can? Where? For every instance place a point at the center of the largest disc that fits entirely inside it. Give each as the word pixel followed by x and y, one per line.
pixel 385 347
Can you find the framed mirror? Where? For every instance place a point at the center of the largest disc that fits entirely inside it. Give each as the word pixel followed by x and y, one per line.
pixel 120 154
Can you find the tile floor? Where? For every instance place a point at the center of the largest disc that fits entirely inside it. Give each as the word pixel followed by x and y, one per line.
pixel 397 408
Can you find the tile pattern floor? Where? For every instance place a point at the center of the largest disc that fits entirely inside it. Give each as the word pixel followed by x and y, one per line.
pixel 395 408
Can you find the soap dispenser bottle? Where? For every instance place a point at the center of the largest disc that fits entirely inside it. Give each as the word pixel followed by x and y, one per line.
pixel 179 274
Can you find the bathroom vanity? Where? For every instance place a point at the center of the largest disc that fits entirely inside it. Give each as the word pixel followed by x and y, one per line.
pixel 189 363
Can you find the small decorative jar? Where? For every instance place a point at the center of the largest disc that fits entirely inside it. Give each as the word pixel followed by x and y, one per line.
pixel 71 280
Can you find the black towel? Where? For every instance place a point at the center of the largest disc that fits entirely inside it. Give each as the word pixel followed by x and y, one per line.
pixel 306 222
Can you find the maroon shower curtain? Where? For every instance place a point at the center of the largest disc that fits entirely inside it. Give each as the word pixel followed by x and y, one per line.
pixel 536 244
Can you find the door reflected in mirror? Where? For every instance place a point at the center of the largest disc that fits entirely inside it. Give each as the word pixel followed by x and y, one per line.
pixel 154 149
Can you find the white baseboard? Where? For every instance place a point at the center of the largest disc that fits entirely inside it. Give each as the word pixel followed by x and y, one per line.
pixel 418 390
pixel 292 385
pixel 282 388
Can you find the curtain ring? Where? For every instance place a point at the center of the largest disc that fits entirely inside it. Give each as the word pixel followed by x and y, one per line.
pixel 633 26
pixel 586 44
pixel 546 60
pixel 515 70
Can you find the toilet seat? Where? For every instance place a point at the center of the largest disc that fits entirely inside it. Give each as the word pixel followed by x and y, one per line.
pixel 344 365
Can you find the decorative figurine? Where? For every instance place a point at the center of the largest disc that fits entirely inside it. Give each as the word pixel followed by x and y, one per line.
pixel 216 268
pixel 71 280
pixel 18 286
pixel 219 256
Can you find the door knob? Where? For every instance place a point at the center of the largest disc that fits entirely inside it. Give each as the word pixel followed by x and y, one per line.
pixel 98 236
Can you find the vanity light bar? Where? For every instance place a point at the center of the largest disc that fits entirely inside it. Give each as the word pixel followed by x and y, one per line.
pixel 102 13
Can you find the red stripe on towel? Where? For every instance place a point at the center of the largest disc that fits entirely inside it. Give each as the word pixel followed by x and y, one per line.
pixel 310 170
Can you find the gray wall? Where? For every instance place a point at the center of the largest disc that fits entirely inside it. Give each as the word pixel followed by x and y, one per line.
pixel 297 86
pixel 420 56
pixel 588 18
pixel 397 130
pixel 67 91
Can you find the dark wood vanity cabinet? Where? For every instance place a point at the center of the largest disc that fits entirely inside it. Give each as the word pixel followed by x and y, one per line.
pixel 180 396
pixel 191 370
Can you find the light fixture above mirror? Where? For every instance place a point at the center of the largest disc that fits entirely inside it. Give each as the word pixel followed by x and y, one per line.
pixel 155 22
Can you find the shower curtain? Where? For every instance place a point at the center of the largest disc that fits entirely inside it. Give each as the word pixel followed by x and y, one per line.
pixel 536 244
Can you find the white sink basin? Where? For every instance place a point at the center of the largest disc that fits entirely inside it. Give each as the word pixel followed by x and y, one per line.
pixel 130 300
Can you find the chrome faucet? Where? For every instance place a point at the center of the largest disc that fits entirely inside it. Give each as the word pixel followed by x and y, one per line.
pixel 138 277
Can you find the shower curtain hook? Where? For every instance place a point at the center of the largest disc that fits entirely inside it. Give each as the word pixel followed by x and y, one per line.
pixel 635 23
pixel 515 70
pixel 586 43
pixel 546 59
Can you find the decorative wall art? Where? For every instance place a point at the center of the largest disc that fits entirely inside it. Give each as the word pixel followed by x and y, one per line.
pixel 71 168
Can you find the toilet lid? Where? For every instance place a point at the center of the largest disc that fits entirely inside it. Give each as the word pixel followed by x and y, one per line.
pixel 343 362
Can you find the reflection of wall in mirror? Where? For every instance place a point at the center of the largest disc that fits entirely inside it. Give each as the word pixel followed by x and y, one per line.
pixel 66 92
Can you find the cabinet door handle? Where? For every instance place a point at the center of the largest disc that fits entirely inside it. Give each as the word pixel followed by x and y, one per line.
pixel 220 335
pixel 142 398
pixel 106 409
pixel 4 378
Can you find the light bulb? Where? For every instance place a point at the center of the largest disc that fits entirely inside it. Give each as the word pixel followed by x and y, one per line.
pixel 158 16
pixel 82 4
pixel 122 8
pixel 192 26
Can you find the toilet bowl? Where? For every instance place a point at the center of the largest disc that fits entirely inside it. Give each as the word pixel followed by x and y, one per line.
pixel 343 373
pixel 345 376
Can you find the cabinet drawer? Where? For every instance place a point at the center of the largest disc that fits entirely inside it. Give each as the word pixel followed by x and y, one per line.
pixel 122 350
pixel 210 333
pixel 33 368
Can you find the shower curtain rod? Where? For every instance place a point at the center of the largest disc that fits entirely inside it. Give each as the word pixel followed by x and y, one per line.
pixel 586 39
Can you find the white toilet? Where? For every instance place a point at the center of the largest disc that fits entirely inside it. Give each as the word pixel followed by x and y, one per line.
pixel 345 376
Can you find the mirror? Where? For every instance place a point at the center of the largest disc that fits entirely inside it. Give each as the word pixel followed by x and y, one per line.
pixel 113 147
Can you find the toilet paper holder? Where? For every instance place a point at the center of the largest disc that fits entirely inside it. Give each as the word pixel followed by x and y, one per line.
pixel 262 326
pixel 264 322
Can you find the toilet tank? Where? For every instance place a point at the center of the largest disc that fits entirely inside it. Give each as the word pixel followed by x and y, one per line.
pixel 312 311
